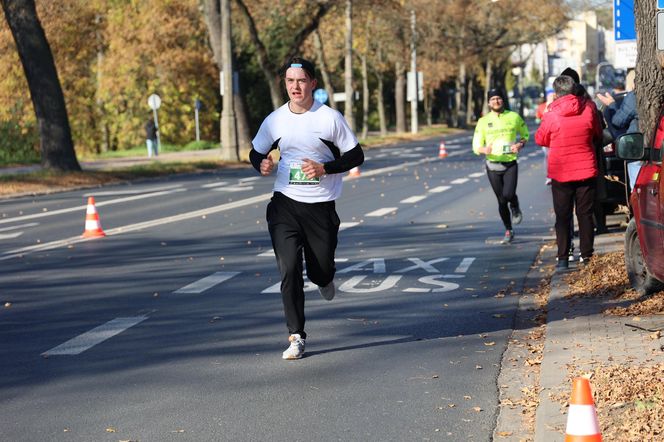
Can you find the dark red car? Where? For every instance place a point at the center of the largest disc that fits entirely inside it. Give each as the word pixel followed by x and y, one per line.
pixel 644 238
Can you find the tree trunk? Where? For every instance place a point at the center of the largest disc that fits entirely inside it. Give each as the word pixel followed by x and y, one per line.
pixel 649 88
pixel 212 12
pixel 57 147
pixel 380 103
pixel 269 70
pixel 469 102
pixel 428 108
pixel 458 96
pixel 365 98
pixel 400 96
pixel 348 67
pixel 487 85
pixel 324 72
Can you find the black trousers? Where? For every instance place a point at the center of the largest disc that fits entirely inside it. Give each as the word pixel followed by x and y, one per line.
pixel 503 184
pixel 565 197
pixel 297 229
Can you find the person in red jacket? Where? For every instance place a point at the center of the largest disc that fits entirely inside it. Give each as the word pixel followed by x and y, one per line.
pixel 569 130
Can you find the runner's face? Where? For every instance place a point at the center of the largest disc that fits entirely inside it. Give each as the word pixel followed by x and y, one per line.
pixel 300 88
pixel 496 104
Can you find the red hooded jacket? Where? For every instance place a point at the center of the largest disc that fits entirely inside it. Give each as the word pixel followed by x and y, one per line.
pixel 569 129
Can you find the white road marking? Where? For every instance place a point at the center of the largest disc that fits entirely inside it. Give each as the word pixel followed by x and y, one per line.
pixel 382 212
pixel 464 266
pixel 476 175
pixel 233 188
pixel 347 225
pixel 342 226
pixel 206 283
pixel 440 189
pixel 459 181
pixel 15 234
pixel 16 253
pixel 249 179
pixel 350 285
pixel 413 199
pixel 10 235
pixel 84 207
pixel 132 191
pixel 97 335
pixel 217 184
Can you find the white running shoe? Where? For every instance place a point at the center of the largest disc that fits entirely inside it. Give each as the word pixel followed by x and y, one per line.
pixel 296 348
pixel 328 291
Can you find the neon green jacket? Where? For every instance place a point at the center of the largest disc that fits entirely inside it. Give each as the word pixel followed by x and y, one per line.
pixel 499 131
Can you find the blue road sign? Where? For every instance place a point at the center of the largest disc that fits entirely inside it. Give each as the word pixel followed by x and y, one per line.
pixel 660 4
pixel 320 95
pixel 624 24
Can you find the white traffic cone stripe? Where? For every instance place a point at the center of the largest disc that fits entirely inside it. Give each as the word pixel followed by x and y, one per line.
pixel 91 210
pixel 582 420
pixel 91 224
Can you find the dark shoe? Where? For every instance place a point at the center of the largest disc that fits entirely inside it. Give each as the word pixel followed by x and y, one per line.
pixel 562 265
pixel 509 236
pixel 584 261
pixel 517 216
pixel 328 291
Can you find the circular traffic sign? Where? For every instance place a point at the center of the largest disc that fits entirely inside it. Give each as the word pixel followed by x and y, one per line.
pixel 154 101
pixel 320 95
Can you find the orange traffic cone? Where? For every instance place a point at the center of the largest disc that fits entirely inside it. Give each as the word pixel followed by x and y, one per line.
pixel 92 225
pixel 355 171
pixel 442 151
pixel 582 424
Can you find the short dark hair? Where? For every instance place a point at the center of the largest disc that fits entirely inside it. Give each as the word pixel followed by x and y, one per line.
pixel 299 62
pixel 564 85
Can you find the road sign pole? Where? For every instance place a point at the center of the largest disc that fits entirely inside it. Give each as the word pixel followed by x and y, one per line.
pixel 156 124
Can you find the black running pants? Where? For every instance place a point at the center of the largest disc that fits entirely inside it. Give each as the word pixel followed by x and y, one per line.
pixel 297 229
pixel 503 184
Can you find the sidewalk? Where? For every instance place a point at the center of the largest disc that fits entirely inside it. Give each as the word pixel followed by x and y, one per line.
pixel 116 163
pixel 579 335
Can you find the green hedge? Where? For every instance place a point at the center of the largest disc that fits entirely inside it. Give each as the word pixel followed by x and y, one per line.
pixel 18 145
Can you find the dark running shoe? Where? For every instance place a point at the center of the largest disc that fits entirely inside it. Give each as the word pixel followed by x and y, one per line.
pixel 517 216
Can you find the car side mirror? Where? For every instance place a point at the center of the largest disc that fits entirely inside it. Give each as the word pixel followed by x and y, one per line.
pixel 630 147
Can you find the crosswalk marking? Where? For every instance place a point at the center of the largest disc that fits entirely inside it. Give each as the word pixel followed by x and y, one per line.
pixel 382 212
pixel 208 282
pixel 97 335
pixel 476 175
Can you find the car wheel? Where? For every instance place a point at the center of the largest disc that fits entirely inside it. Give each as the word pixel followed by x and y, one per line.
pixel 639 275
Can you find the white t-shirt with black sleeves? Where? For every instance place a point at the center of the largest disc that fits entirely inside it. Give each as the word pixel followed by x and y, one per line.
pixel 301 136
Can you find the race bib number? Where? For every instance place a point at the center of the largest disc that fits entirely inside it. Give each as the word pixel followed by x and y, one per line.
pixel 298 177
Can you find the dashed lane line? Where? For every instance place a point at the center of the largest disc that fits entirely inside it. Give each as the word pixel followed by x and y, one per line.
pixel 206 283
pixel 83 207
pixel 382 212
pixel 89 339
pixel 413 199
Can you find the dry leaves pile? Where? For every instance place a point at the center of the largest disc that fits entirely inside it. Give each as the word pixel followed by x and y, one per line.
pixel 629 399
pixel 606 277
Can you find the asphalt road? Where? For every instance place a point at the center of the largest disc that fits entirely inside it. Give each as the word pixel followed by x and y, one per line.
pixel 171 327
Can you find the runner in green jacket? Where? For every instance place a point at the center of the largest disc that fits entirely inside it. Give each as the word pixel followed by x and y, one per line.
pixel 500 135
